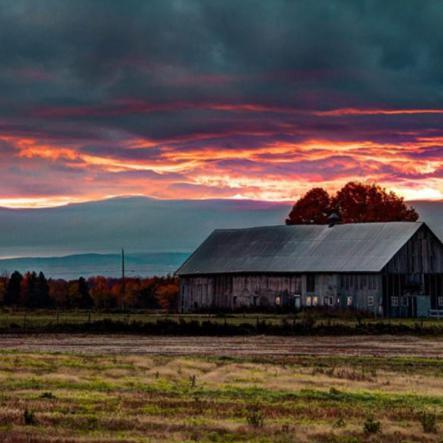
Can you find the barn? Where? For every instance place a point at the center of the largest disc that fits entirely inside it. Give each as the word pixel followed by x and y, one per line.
pixel 392 269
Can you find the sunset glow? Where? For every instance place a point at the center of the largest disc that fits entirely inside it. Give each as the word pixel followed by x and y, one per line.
pixel 270 104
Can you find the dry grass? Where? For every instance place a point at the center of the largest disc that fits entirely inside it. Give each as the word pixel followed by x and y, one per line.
pixel 135 398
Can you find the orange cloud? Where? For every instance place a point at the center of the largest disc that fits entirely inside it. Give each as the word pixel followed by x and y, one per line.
pixel 274 170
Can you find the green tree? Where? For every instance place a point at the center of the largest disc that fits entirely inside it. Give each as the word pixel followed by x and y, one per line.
pixel 43 300
pixel 12 294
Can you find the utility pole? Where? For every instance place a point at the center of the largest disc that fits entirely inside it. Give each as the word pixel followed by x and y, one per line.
pixel 123 281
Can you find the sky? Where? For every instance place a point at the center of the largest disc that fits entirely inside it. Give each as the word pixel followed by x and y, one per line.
pixel 196 99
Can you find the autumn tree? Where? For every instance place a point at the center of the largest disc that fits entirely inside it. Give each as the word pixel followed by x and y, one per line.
pixel 362 203
pixel 313 208
pixel 354 203
pixel 167 296
pixel 58 291
pixel 101 292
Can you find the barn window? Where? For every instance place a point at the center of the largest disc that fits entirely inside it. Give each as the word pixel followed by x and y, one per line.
pixel 371 300
pixel 310 283
pixel 394 301
pixel 349 301
pixel 404 301
pixel 329 301
pixel 278 300
pixel 440 301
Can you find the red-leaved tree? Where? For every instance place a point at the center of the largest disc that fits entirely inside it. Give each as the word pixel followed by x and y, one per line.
pixel 354 203
pixel 313 208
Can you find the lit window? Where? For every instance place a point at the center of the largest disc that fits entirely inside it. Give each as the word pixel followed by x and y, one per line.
pixel 394 301
pixel 314 301
pixel 278 300
pixel 349 301
pixel 371 300
pixel 308 301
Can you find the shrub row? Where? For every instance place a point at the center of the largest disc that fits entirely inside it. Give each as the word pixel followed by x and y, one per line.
pixel 217 328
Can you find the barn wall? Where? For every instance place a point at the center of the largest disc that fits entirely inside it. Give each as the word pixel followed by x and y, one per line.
pixel 359 291
pixel 363 292
pixel 225 291
pixel 422 254
pixel 417 269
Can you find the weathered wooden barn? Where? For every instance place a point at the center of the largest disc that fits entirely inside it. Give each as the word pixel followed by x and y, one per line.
pixel 392 269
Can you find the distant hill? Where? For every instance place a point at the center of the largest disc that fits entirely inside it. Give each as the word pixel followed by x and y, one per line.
pixel 137 224
pixel 88 265
pixel 157 234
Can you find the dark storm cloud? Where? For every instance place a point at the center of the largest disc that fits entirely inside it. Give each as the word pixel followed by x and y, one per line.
pixel 82 51
pixel 155 82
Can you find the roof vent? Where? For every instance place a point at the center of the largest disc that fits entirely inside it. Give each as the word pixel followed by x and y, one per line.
pixel 333 219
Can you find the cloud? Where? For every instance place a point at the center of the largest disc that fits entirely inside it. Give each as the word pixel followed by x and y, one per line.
pixel 195 99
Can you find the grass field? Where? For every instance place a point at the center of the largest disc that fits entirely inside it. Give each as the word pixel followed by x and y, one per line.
pixel 104 396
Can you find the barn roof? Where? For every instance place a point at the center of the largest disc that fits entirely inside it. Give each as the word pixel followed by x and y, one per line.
pixel 358 247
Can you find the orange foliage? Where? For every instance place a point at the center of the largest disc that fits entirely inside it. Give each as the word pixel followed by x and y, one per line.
pixel 354 203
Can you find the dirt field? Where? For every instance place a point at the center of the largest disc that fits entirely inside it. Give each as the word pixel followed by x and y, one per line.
pixel 106 389
pixel 228 346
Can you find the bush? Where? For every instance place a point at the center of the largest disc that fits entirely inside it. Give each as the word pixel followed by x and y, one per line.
pixel 28 417
pixel 371 426
pixel 428 422
pixel 255 417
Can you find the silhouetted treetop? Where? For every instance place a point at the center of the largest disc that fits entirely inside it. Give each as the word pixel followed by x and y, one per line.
pixel 354 203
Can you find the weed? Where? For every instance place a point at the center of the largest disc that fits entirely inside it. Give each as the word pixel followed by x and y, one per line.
pixel 340 423
pixel 371 426
pixel 334 392
pixel 428 422
pixel 255 416
pixel 48 395
pixel 29 417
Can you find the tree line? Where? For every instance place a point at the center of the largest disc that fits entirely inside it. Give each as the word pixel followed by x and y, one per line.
pixel 35 291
